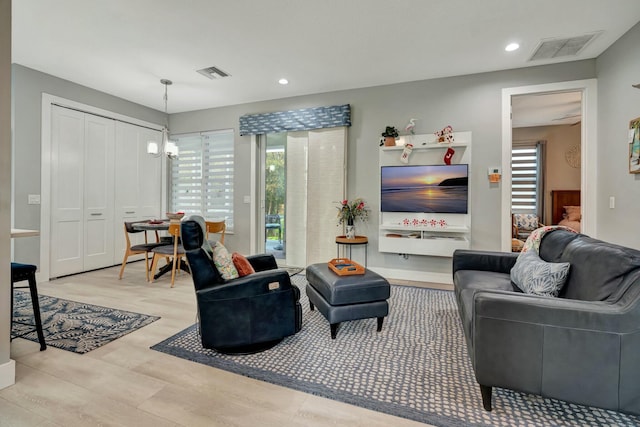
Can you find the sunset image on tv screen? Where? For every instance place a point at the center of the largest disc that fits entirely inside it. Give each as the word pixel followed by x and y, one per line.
pixel 424 188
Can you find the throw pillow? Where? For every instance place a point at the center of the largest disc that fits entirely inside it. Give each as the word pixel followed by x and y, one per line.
pixel 573 213
pixel 242 264
pixel 533 275
pixel 223 262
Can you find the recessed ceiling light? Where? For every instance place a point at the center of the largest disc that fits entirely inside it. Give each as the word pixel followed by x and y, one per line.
pixel 283 81
pixel 511 47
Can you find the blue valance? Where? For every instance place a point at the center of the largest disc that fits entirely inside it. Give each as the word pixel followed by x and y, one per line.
pixel 294 120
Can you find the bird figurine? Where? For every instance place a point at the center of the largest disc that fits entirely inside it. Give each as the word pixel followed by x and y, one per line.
pixel 409 127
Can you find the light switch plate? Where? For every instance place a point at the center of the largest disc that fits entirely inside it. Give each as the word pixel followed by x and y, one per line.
pixel 33 199
pixel 247 199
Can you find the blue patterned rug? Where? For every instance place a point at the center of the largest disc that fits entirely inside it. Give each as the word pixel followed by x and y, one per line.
pixel 75 326
pixel 417 367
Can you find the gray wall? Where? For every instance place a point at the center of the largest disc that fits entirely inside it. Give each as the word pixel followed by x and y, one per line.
pixel 618 68
pixel 5 189
pixel 468 103
pixel 28 87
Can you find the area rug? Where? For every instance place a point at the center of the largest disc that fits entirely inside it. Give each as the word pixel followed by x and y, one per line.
pixel 417 367
pixel 75 326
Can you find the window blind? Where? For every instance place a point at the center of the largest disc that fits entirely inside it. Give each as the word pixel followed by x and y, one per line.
pixel 202 176
pixel 526 177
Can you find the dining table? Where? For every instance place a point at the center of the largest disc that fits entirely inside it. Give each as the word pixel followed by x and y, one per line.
pixel 160 226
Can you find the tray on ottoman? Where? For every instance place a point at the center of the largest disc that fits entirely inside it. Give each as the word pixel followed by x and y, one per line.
pixel 345 267
pixel 351 297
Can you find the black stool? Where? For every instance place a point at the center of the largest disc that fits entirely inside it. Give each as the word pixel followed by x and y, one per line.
pixel 19 273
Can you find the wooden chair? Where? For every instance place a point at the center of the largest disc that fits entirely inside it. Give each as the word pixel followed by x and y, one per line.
pixel 213 227
pixel 175 250
pixel 142 248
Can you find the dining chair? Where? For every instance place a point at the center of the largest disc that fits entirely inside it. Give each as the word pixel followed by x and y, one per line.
pixel 141 248
pixel 215 227
pixel 272 222
pixel 175 250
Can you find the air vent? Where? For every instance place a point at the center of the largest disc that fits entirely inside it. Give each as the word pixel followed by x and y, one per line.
pixel 213 73
pixel 557 48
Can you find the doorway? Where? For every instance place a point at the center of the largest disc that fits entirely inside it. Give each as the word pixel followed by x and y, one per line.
pixel 588 149
pixel 545 162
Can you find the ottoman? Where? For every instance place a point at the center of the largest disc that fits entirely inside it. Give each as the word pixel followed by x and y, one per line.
pixel 342 298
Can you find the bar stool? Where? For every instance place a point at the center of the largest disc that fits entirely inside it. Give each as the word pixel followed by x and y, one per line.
pixel 20 273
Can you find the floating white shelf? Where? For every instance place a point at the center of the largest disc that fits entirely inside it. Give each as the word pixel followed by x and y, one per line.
pixel 427 147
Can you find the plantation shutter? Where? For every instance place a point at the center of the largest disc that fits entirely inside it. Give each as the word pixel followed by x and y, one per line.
pixel 526 177
pixel 202 176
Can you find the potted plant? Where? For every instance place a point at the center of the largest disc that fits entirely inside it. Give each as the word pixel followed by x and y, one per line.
pixel 349 212
pixel 390 134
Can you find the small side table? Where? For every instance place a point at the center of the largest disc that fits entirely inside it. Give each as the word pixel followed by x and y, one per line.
pixel 358 240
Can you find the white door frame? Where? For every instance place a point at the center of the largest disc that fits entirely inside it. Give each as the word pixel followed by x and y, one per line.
pixel 45 169
pixel 588 152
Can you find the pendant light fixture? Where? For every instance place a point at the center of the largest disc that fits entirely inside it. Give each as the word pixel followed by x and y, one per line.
pixel 166 146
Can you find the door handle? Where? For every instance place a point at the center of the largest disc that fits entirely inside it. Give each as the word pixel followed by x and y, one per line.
pixel 96 214
pixel 130 212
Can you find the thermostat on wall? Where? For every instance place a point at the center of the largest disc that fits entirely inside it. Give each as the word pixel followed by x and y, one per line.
pixel 494 174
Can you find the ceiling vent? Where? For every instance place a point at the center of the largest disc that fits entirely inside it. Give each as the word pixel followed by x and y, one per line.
pixel 213 73
pixel 557 48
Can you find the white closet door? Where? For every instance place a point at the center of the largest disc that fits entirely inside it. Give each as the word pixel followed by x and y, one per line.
pixel 98 192
pixel 138 186
pixel 326 187
pixel 67 191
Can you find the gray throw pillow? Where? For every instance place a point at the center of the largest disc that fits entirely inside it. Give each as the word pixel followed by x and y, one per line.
pixel 535 276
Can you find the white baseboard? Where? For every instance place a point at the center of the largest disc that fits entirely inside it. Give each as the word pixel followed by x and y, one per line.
pixel 419 276
pixel 7 374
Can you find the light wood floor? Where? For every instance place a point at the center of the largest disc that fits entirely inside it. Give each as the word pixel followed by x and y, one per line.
pixel 124 383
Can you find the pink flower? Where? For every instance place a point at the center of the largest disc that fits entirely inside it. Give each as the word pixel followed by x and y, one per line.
pixel 345 202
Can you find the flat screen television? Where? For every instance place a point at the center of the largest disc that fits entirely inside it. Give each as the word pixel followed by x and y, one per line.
pixel 424 188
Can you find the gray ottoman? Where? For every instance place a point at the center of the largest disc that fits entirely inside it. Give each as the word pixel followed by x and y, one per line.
pixel 342 298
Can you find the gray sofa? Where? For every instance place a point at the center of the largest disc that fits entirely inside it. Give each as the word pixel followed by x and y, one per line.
pixel 582 347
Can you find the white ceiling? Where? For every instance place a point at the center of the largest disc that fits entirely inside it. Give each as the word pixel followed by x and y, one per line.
pixel 124 47
pixel 547 109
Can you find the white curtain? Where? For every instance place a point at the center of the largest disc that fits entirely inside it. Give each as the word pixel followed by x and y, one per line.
pixel 316 182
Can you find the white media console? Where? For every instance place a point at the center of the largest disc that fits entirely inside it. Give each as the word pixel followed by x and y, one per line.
pixel 432 234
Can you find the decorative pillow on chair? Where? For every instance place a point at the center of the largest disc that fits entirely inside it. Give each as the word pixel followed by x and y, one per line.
pixel 223 262
pixel 533 275
pixel 242 264
pixel 526 221
pixel 573 213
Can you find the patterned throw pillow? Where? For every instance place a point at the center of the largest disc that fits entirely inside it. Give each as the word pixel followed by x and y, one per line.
pixel 527 221
pixel 535 276
pixel 223 262
pixel 242 264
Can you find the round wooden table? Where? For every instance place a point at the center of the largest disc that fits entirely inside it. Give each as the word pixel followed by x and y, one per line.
pixel 357 240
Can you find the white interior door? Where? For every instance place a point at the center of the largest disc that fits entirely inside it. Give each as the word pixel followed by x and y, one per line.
pixel 98 192
pixel 67 191
pixel 138 186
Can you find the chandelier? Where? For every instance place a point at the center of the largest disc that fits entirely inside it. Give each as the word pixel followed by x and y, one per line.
pixel 166 146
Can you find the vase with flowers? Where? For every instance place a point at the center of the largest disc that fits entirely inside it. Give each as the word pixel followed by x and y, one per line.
pixel 349 212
